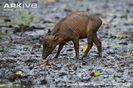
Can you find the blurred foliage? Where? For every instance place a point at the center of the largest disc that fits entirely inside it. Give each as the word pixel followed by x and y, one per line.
pixel 24 19
pixel 51 1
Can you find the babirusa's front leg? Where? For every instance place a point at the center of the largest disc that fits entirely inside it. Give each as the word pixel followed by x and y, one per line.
pixel 59 49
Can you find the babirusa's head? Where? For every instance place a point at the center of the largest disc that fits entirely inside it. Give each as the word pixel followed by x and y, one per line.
pixel 49 43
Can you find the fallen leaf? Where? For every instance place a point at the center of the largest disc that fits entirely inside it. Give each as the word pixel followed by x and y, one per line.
pixel 84 48
pixel 95 74
pixel 19 73
pixel 46 62
pixel 120 35
pixel 130 53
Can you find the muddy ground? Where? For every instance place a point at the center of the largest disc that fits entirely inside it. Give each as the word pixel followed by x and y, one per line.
pixel 21 50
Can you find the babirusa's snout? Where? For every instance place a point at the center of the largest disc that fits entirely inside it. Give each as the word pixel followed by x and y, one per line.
pixel 44 55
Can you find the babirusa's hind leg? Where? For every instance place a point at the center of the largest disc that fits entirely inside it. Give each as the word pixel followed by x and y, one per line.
pixel 90 44
pixel 76 47
pixel 98 44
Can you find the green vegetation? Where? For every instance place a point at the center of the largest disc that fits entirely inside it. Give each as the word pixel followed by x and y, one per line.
pixel 24 20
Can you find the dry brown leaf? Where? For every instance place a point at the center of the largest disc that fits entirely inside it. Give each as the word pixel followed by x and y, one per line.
pixel 130 61
pixel 130 53
pixel 46 62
